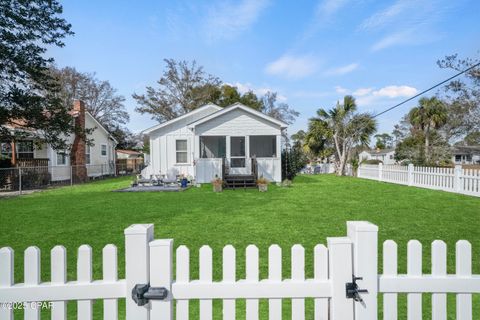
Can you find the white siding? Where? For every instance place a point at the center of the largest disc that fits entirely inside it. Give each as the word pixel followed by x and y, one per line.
pixel 237 123
pixel 162 145
pixel 99 136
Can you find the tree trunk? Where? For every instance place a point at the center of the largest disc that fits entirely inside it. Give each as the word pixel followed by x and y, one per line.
pixel 339 154
pixel 427 144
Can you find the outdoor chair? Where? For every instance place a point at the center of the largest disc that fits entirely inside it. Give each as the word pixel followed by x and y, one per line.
pixel 171 178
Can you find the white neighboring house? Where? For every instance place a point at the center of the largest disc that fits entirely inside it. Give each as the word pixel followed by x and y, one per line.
pixel 387 156
pixel 98 158
pixel 466 154
pixel 198 143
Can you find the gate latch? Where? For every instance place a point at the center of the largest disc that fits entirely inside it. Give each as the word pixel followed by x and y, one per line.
pixel 142 293
pixel 352 290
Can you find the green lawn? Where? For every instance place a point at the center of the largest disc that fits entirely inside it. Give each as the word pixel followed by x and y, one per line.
pixel 314 208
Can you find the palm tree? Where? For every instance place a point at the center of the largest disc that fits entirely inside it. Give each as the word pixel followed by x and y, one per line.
pixel 345 128
pixel 430 114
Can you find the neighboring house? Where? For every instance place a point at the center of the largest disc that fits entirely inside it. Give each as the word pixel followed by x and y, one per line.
pixel 129 161
pixel 386 156
pixel 128 154
pixel 87 160
pixel 466 154
pixel 211 140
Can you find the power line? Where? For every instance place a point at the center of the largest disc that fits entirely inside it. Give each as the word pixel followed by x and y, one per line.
pixel 425 91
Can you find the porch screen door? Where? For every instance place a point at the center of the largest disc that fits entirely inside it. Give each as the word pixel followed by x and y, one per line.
pixel 237 155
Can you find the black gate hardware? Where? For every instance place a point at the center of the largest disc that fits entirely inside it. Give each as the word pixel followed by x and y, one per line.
pixel 352 290
pixel 142 293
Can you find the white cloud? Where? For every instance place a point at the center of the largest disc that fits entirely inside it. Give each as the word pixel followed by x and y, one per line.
pixel 259 91
pixel 408 22
pixel 395 91
pixel 293 67
pixel 327 8
pixel 341 90
pixel 227 19
pixel 394 39
pixel 387 15
pixel 362 92
pixel 370 97
pixel 342 70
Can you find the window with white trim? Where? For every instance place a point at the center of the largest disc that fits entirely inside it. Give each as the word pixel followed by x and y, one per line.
pixel 62 158
pixel 87 154
pixel 181 151
pixel 25 149
pixel 104 150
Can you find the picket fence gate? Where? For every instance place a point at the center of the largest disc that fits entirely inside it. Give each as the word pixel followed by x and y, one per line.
pixel 458 180
pixel 149 261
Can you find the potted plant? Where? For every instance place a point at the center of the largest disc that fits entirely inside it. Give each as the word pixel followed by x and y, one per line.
pixel 183 181
pixel 262 184
pixel 217 184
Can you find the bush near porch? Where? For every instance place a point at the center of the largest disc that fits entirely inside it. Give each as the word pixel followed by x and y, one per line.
pixel 314 208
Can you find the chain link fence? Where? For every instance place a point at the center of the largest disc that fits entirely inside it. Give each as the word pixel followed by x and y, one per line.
pixel 20 179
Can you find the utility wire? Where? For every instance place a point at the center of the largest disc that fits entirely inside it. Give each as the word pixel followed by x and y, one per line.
pixel 425 91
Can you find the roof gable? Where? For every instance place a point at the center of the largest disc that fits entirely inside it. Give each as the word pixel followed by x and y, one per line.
pixel 212 106
pixel 237 106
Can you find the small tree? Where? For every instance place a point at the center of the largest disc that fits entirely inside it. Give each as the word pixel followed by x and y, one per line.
pixel 28 94
pixel 345 128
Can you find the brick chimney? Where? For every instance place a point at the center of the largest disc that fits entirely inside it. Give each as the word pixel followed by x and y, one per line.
pixel 77 154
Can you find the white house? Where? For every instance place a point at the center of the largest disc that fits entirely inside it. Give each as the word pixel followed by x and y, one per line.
pixel 97 158
pixel 386 156
pixel 466 154
pixel 211 140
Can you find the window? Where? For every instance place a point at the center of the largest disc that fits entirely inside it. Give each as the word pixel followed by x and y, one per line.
pixel 61 158
pixel 263 146
pixel 6 150
pixel 104 150
pixel 213 147
pixel 87 154
pixel 458 158
pixel 181 151
pixel 391 157
pixel 25 149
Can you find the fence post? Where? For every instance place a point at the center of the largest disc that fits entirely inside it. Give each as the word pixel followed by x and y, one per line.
pixel 71 175
pixel 456 178
pixel 137 263
pixel 340 272
pixel 380 171
pixel 410 174
pixel 161 275
pixel 364 236
pixel 20 180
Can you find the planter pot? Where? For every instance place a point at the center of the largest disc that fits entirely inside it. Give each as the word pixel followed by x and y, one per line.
pixel 217 188
pixel 263 187
pixel 184 182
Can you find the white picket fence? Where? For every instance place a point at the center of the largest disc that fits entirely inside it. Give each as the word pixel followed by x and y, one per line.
pixel 458 180
pixel 151 261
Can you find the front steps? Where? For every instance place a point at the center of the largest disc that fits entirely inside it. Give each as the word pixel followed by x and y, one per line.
pixel 238 181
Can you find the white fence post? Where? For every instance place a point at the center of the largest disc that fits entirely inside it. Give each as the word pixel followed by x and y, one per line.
pixel 410 174
pixel 137 263
pixel 364 236
pixel 340 272
pixel 456 178
pixel 161 275
pixel 6 277
pixel 380 171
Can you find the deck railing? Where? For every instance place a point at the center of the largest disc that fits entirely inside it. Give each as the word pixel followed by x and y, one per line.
pixel 29 163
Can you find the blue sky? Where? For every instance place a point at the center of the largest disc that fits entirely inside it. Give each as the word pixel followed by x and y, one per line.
pixel 311 52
